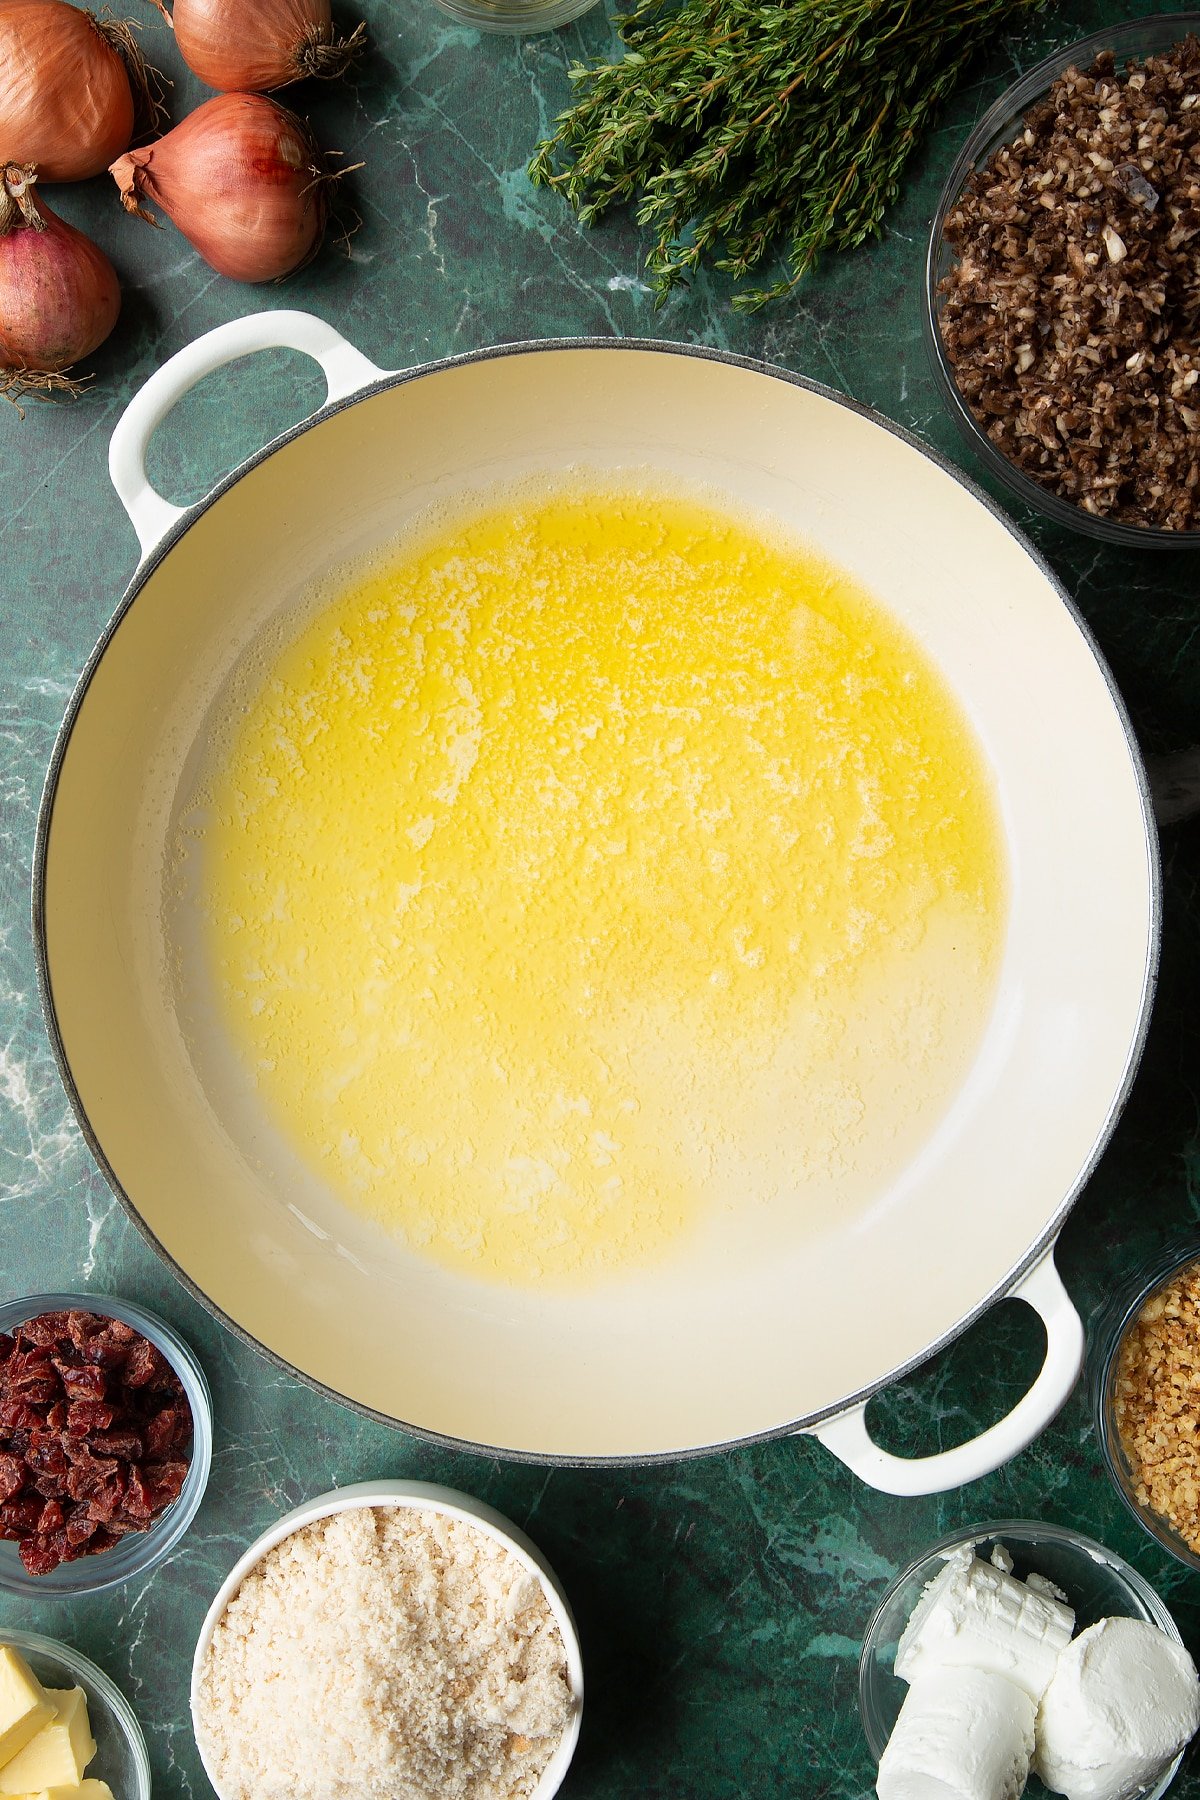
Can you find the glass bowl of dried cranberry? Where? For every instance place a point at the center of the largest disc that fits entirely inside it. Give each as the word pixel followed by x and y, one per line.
pixel 1059 282
pixel 105 1442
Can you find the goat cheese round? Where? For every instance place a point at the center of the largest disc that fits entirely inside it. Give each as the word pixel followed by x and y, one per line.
pixel 962 1734
pixel 1124 1700
pixel 978 1614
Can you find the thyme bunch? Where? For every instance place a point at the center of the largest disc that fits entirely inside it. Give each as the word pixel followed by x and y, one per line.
pixel 743 129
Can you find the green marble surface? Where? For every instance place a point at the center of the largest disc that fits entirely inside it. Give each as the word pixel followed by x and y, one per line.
pixel 721 1601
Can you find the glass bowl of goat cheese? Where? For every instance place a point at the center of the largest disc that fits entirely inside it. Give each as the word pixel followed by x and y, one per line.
pixel 1048 1610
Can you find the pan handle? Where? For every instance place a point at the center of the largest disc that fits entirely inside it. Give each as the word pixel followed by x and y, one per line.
pixel 346 371
pixel 847 1436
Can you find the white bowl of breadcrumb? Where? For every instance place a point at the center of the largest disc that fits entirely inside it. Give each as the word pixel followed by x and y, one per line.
pixel 389 1641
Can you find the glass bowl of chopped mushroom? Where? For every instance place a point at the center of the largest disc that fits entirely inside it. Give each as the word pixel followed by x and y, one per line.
pixel 105 1442
pixel 1060 286
pixel 1146 1398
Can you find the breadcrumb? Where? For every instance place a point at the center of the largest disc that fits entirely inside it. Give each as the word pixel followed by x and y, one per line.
pixel 385 1653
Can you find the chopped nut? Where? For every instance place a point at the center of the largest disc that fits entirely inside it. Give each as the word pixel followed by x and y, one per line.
pixel 1157 1404
pixel 1114 243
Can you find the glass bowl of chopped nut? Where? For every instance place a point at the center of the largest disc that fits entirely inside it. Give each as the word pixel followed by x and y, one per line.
pixel 105 1442
pixel 1057 280
pixel 1146 1398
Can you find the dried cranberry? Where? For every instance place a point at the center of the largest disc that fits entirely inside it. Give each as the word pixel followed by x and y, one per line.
pixel 46 1329
pixel 165 1481
pixel 121 1441
pixel 145 1365
pixel 24 1366
pixel 138 1502
pixel 52 1517
pixel 39 1555
pixel 16 1415
pixel 39 1391
pixel 46 1455
pixel 106 1499
pixel 81 1326
pixel 12 1476
pixel 83 1397
pixel 19 1517
pixel 87 1471
pixel 83 1382
pixel 81 1528
pixel 85 1417
pixel 167 1430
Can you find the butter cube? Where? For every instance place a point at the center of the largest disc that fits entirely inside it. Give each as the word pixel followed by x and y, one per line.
pixel 57 1755
pixel 24 1707
pixel 87 1790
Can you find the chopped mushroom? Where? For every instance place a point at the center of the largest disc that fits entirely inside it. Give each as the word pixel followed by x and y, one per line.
pixel 1071 316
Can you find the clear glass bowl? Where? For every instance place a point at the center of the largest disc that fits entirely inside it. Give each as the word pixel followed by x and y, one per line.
pixel 1000 125
pixel 1097 1582
pixel 515 17
pixel 140 1551
pixel 120 1757
pixel 1109 1335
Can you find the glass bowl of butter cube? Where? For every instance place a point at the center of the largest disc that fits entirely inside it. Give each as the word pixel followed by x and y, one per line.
pixel 1046 1610
pixel 66 1731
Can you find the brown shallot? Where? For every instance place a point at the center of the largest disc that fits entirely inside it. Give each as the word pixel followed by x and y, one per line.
pixel 244 181
pixel 72 88
pixel 59 296
pixel 247 46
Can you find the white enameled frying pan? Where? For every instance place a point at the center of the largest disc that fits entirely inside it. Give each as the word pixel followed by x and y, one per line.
pixel 645 1369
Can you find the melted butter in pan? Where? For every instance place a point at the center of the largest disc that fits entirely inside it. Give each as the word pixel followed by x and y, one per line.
pixel 600 878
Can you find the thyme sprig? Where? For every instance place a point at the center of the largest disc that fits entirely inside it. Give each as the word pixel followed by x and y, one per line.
pixel 745 129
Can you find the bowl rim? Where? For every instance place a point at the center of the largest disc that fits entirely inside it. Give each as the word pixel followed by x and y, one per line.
pixel 419 1496
pixel 1115 1321
pixel 998 124
pixel 1026 1532
pixel 147 1548
pixel 92 1676
pixel 515 18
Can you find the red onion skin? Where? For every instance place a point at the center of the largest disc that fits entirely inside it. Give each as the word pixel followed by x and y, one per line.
pixel 247 46
pixel 59 296
pixel 242 179
pixel 65 99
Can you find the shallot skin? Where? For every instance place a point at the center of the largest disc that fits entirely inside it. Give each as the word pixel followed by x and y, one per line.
pixel 242 179
pixel 59 298
pixel 65 99
pixel 249 46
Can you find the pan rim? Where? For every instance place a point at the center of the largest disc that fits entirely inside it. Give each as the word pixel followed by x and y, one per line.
pixel 388 381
